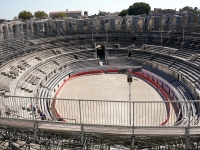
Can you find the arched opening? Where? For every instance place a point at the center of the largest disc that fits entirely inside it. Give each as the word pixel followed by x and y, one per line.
pixel 25 28
pixel 151 24
pixel 101 52
pixel 140 25
pixel 35 28
pixel 45 27
pixel 128 24
pixel 29 26
pixel 117 24
pixel 102 22
pixel 123 21
pixel 107 21
pixel 4 29
pixel 145 20
pixel 107 25
pixel 74 23
pixel 85 23
pixel 189 19
pixel 14 28
pixel 96 22
pixel 55 25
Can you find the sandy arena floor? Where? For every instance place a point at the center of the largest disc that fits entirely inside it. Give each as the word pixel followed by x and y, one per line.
pixel 113 87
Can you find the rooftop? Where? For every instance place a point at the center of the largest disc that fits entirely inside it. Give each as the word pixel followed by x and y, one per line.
pixel 66 12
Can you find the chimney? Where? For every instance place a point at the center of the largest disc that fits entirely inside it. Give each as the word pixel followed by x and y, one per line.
pixel 66 9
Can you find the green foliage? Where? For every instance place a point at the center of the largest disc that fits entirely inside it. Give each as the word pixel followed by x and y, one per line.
pixel 59 15
pixel 24 15
pixel 191 9
pixel 101 13
pixel 40 14
pixel 15 18
pixel 123 12
pixel 139 9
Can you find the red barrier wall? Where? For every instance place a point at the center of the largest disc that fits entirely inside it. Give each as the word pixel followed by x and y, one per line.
pixel 161 90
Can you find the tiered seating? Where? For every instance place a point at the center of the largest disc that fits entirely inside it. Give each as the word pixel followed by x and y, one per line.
pixel 160 73
pixel 122 61
pixel 192 74
pixel 166 61
pixel 136 54
pixel 117 52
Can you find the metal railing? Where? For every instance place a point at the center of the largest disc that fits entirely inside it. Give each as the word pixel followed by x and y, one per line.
pixel 102 112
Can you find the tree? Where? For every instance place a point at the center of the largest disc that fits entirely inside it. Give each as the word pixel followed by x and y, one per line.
pixel 123 12
pixel 190 9
pixel 40 14
pixel 196 9
pixel 139 8
pixel 59 15
pixel 24 15
pixel 15 18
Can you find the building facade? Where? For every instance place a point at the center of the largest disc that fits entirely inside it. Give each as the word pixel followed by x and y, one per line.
pixel 73 14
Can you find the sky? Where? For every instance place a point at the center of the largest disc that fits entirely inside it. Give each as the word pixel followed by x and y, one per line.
pixel 11 8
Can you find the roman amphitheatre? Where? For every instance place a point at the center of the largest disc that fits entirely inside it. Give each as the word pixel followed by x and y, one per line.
pixel 63 83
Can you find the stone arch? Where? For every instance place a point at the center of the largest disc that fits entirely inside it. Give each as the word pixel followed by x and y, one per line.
pixel 14 28
pixel 85 23
pixel 145 20
pixel 107 21
pixel 74 23
pixel 4 28
pixel 123 21
pixel 117 21
pixel 140 24
pixel 117 24
pixel 189 19
pixel 25 27
pixel 96 23
pixel 102 22
pixel 151 23
pixel 55 25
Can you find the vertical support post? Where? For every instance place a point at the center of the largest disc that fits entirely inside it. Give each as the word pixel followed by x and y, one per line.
pixel 33 115
pixel 133 138
pixel 129 103
pixel 81 125
pixel 187 129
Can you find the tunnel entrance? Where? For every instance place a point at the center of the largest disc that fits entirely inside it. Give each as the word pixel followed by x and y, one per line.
pixel 101 54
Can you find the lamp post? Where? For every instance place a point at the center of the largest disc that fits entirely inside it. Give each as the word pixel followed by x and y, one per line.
pixel 129 80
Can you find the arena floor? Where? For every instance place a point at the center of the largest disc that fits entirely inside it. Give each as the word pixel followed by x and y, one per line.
pixel 113 87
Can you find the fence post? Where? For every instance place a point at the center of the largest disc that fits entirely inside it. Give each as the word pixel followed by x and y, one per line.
pixel 133 127
pixel 187 129
pixel 33 115
pixel 81 125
